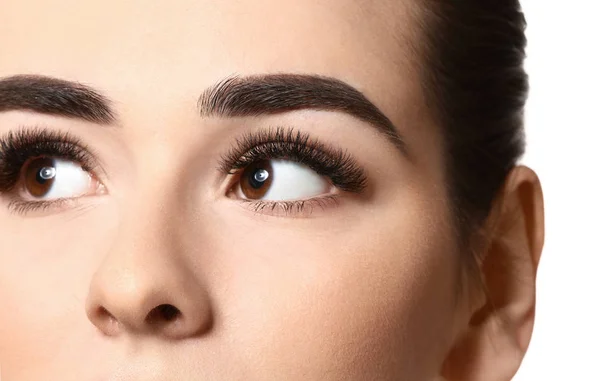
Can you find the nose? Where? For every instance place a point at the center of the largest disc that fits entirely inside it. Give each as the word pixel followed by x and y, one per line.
pixel 145 284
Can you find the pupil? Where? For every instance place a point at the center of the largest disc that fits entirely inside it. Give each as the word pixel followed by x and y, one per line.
pixel 259 178
pixel 45 174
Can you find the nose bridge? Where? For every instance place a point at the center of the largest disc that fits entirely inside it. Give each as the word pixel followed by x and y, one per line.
pixel 143 284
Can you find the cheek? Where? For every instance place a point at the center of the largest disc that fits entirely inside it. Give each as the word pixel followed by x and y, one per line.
pixel 368 299
pixel 368 302
pixel 45 268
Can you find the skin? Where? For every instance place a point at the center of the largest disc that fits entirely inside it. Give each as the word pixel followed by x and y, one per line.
pixel 367 289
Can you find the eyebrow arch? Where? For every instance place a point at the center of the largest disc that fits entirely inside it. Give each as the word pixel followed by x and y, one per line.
pixel 54 96
pixel 257 95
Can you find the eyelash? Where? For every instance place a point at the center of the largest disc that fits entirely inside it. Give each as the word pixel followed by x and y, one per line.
pixel 274 143
pixel 289 144
pixel 16 148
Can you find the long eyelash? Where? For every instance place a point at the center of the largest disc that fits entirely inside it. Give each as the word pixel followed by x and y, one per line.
pixel 18 147
pixel 288 144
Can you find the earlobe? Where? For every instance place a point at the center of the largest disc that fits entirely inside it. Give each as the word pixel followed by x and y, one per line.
pixel 497 334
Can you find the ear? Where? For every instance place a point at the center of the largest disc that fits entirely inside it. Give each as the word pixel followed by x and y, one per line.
pixel 498 331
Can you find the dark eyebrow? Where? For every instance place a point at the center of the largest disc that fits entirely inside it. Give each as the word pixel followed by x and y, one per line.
pixel 234 96
pixel 278 93
pixel 54 96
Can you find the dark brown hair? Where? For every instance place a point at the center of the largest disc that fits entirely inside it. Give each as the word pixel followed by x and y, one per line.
pixel 476 85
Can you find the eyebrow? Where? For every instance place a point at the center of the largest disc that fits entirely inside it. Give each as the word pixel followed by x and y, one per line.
pixel 232 97
pixel 54 96
pixel 278 93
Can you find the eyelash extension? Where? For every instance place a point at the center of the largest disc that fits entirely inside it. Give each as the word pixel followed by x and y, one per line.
pixel 288 144
pixel 16 148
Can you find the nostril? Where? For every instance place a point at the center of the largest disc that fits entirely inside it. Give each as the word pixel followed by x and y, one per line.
pixel 109 324
pixel 164 312
pixel 103 313
pixel 168 311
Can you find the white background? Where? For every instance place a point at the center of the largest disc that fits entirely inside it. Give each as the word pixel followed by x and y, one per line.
pixel 563 128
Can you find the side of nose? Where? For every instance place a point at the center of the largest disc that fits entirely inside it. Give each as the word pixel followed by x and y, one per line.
pixel 145 286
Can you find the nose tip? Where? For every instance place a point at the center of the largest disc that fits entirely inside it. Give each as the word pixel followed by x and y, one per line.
pixel 154 309
pixel 149 280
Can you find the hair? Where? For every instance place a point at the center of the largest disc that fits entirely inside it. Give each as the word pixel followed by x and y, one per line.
pixel 476 86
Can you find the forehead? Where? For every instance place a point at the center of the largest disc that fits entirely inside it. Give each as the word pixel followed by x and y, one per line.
pixel 125 45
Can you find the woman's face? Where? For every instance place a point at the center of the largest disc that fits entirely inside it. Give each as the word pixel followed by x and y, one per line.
pixel 183 239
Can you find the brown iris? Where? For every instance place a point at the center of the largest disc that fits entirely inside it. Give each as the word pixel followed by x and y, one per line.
pixel 256 180
pixel 39 176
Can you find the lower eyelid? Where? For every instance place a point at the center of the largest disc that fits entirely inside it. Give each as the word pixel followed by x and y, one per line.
pixel 295 209
pixel 22 207
pixel 19 206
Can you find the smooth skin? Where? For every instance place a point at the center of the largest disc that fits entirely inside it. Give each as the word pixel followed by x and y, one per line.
pixel 368 289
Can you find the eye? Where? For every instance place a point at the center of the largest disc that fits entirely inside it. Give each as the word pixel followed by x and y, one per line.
pixel 280 180
pixel 46 178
